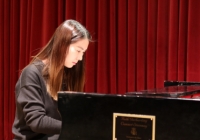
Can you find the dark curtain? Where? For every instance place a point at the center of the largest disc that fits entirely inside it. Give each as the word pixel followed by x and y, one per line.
pixel 137 43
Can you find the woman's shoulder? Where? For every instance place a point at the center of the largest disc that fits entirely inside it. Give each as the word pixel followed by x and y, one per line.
pixel 32 72
pixel 32 68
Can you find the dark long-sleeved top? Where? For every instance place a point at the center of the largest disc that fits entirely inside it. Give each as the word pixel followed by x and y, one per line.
pixel 37 116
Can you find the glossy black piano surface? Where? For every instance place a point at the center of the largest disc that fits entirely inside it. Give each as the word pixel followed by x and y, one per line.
pixel 89 116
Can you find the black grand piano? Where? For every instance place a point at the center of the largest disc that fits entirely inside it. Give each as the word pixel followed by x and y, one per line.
pixel 168 113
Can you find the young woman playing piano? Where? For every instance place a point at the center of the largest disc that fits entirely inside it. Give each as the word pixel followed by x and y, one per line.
pixel 58 66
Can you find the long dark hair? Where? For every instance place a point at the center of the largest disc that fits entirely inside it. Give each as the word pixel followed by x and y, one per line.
pixel 56 75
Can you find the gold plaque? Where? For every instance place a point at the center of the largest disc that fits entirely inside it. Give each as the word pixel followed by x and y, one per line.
pixel 133 127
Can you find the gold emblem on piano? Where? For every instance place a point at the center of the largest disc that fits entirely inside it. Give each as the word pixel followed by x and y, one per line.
pixel 134 131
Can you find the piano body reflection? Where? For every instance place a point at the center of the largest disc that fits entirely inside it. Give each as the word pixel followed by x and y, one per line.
pixel 89 116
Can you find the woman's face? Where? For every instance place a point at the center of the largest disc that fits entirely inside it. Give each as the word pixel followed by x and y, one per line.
pixel 75 52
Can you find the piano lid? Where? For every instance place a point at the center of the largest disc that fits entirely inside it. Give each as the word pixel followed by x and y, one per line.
pixel 172 89
pixel 169 91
